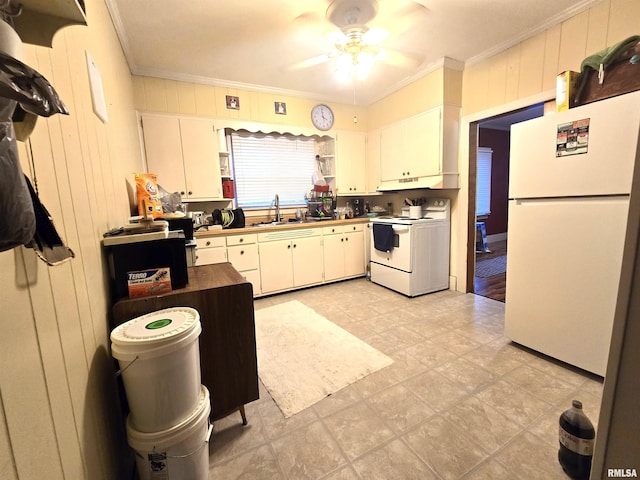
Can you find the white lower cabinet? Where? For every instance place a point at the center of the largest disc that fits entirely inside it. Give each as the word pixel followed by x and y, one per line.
pixel 242 253
pixel 344 252
pixel 211 250
pixel 280 259
pixel 287 263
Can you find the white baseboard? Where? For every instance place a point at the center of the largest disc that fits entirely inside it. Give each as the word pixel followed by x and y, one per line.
pixel 497 237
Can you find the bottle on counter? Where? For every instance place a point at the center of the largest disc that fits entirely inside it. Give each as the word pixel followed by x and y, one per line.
pixel 576 437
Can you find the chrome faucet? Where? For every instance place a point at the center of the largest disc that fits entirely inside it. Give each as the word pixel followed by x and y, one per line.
pixel 276 203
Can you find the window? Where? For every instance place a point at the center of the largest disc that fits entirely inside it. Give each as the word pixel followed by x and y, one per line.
pixel 268 164
pixel 483 182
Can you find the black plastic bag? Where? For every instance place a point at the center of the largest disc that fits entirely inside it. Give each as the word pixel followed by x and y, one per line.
pixel 17 218
pixel 46 241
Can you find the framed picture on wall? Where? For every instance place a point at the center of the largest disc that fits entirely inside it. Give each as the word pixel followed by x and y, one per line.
pixel 281 108
pixel 233 103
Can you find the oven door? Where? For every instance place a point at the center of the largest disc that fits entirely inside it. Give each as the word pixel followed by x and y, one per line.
pixel 400 256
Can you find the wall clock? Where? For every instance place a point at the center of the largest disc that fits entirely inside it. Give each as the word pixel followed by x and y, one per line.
pixel 322 117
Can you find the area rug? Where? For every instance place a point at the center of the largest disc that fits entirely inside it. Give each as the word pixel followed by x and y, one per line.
pixel 491 267
pixel 303 357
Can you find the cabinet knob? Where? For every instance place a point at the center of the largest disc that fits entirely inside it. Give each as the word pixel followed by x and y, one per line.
pixel 333 230
pixel 342 239
pixel 241 252
pixel 289 246
pixel 208 243
pixel 294 245
pixel 346 239
pixel 241 240
pixel 190 193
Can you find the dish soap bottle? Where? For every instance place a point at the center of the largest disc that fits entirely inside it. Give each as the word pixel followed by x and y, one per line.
pixel 576 436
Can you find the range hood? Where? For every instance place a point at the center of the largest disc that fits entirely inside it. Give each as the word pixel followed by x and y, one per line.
pixel 445 180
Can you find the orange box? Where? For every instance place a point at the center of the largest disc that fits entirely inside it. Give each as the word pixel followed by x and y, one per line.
pixel 565 89
pixel 144 283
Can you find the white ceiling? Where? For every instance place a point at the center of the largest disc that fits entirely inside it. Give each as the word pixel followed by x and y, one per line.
pixel 259 44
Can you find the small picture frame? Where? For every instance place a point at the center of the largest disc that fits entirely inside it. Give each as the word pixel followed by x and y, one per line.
pixel 233 103
pixel 280 108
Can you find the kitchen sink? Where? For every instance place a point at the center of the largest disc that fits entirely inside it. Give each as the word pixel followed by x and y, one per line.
pixel 270 224
pixel 274 224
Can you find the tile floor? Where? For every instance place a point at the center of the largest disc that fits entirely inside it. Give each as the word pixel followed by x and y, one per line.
pixel 459 402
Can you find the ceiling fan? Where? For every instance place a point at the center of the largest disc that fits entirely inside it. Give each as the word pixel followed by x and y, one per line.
pixel 357 40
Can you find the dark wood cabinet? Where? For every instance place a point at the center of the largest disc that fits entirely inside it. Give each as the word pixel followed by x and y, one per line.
pixel 224 300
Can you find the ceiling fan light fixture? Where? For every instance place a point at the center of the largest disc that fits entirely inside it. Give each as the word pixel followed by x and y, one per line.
pixel 357 65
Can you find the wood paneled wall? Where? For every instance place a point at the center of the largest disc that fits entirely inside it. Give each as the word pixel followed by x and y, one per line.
pixel 531 66
pixel 59 414
pixel 185 98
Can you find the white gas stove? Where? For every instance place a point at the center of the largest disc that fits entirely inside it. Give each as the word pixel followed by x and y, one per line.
pixel 411 255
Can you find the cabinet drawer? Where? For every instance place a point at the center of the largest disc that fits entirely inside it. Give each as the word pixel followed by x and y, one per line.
pixel 241 239
pixel 332 230
pixel 358 227
pixel 207 242
pixel 243 257
pixel 206 256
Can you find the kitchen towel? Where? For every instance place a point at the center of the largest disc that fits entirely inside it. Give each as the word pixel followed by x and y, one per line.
pixel 383 237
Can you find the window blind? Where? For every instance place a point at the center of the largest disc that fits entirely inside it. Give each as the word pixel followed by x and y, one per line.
pixel 266 165
pixel 483 181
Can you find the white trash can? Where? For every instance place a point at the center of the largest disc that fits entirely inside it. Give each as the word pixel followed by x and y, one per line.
pixel 159 357
pixel 177 453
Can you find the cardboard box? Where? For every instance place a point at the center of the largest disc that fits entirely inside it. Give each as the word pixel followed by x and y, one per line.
pixel 143 283
pixel 565 89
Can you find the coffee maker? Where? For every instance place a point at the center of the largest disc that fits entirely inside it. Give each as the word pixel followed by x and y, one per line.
pixel 358 207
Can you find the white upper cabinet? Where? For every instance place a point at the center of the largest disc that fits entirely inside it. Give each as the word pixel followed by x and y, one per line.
pixel 373 161
pixel 350 163
pixel 39 20
pixel 411 147
pixel 421 151
pixel 183 152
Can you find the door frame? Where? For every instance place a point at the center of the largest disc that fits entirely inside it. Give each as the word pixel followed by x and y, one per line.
pixel 468 147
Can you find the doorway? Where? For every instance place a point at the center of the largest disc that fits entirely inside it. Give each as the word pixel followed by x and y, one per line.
pixel 489 145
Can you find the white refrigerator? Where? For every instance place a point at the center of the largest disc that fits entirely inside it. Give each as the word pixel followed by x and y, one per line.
pixel 569 184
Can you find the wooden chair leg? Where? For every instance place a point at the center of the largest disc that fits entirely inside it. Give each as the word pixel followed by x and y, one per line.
pixel 243 414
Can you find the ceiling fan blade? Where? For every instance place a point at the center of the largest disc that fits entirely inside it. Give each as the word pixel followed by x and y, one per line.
pixel 399 59
pixel 337 37
pixel 399 15
pixel 311 62
pixel 374 35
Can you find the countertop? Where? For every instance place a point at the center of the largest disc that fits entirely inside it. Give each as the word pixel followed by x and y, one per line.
pixel 284 226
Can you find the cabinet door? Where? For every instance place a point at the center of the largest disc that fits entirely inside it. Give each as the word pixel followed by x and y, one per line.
pixel 276 266
pixel 392 152
pixel 207 256
pixel 372 161
pixel 243 257
pixel 424 136
pixel 201 158
pixel 333 257
pixel 350 162
pixel 307 260
pixel 163 151
pixel 354 260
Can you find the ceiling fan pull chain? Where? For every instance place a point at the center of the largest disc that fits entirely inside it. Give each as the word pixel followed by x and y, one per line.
pixel 355 115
